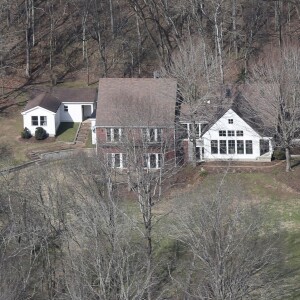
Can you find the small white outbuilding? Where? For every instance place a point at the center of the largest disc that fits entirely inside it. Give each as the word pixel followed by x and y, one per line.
pixel 50 108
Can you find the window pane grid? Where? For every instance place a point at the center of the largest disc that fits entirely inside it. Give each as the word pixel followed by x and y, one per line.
pixel 249 147
pixel 231 147
pixel 214 147
pixel 223 147
pixel 240 146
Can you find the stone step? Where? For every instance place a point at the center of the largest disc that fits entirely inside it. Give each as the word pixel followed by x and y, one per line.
pixel 83 133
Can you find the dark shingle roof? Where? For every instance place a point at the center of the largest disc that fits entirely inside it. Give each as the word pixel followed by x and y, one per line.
pixel 51 98
pixel 136 102
pixel 43 100
pixel 75 94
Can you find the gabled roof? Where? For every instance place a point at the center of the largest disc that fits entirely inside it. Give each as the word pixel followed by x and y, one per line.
pixel 211 111
pixel 51 98
pixel 136 102
pixel 44 100
pixel 75 94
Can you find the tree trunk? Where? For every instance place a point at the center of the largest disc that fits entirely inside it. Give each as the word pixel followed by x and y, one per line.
pixel 28 38
pixel 288 167
pixel 235 48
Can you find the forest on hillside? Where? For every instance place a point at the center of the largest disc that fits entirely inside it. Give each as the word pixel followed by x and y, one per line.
pixel 53 39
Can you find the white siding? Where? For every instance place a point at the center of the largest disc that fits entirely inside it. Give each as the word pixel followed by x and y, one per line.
pixel 38 111
pixel 94 137
pixel 74 113
pixel 237 124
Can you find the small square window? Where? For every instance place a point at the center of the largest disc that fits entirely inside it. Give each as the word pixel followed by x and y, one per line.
pixel 43 121
pixel 230 132
pixel 239 133
pixel 66 108
pixel 230 121
pixel 34 121
pixel 222 133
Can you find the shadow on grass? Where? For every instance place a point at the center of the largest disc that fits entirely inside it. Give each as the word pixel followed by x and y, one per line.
pixel 66 131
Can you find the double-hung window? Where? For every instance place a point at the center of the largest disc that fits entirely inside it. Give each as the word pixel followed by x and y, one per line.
pixel 39 121
pixel 152 135
pixel 249 147
pixel 116 160
pixel 113 134
pixel 188 130
pixel 153 160
pixel 35 121
pixel 214 147
pixel 231 147
pixel 240 146
pixel 223 147
pixel 43 121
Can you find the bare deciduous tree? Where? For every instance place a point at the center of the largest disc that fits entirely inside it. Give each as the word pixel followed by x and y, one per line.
pixel 195 69
pixel 277 86
pixel 232 253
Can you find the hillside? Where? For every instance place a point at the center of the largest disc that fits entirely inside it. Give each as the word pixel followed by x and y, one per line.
pixel 55 41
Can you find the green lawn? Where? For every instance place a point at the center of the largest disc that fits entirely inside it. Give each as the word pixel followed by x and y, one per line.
pixel 66 131
pixel 280 203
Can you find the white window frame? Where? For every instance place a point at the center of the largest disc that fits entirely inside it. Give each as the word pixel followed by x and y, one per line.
pixel 223 150
pixel 37 121
pixel 248 146
pixel 111 157
pixel 158 160
pixel 187 126
pixel 222 133
pixel 230 133
pixel 231 147
pixel 152 135
pixel 214 145
pixel 230 121
pixel 44 122
pixel 111 136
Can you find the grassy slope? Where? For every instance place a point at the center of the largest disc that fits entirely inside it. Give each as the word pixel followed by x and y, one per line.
pixel 266 189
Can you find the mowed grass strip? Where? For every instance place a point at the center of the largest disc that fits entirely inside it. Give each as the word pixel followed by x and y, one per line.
pixel 66 131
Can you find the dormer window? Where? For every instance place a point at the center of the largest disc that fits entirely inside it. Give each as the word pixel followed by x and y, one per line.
pixel 230 121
